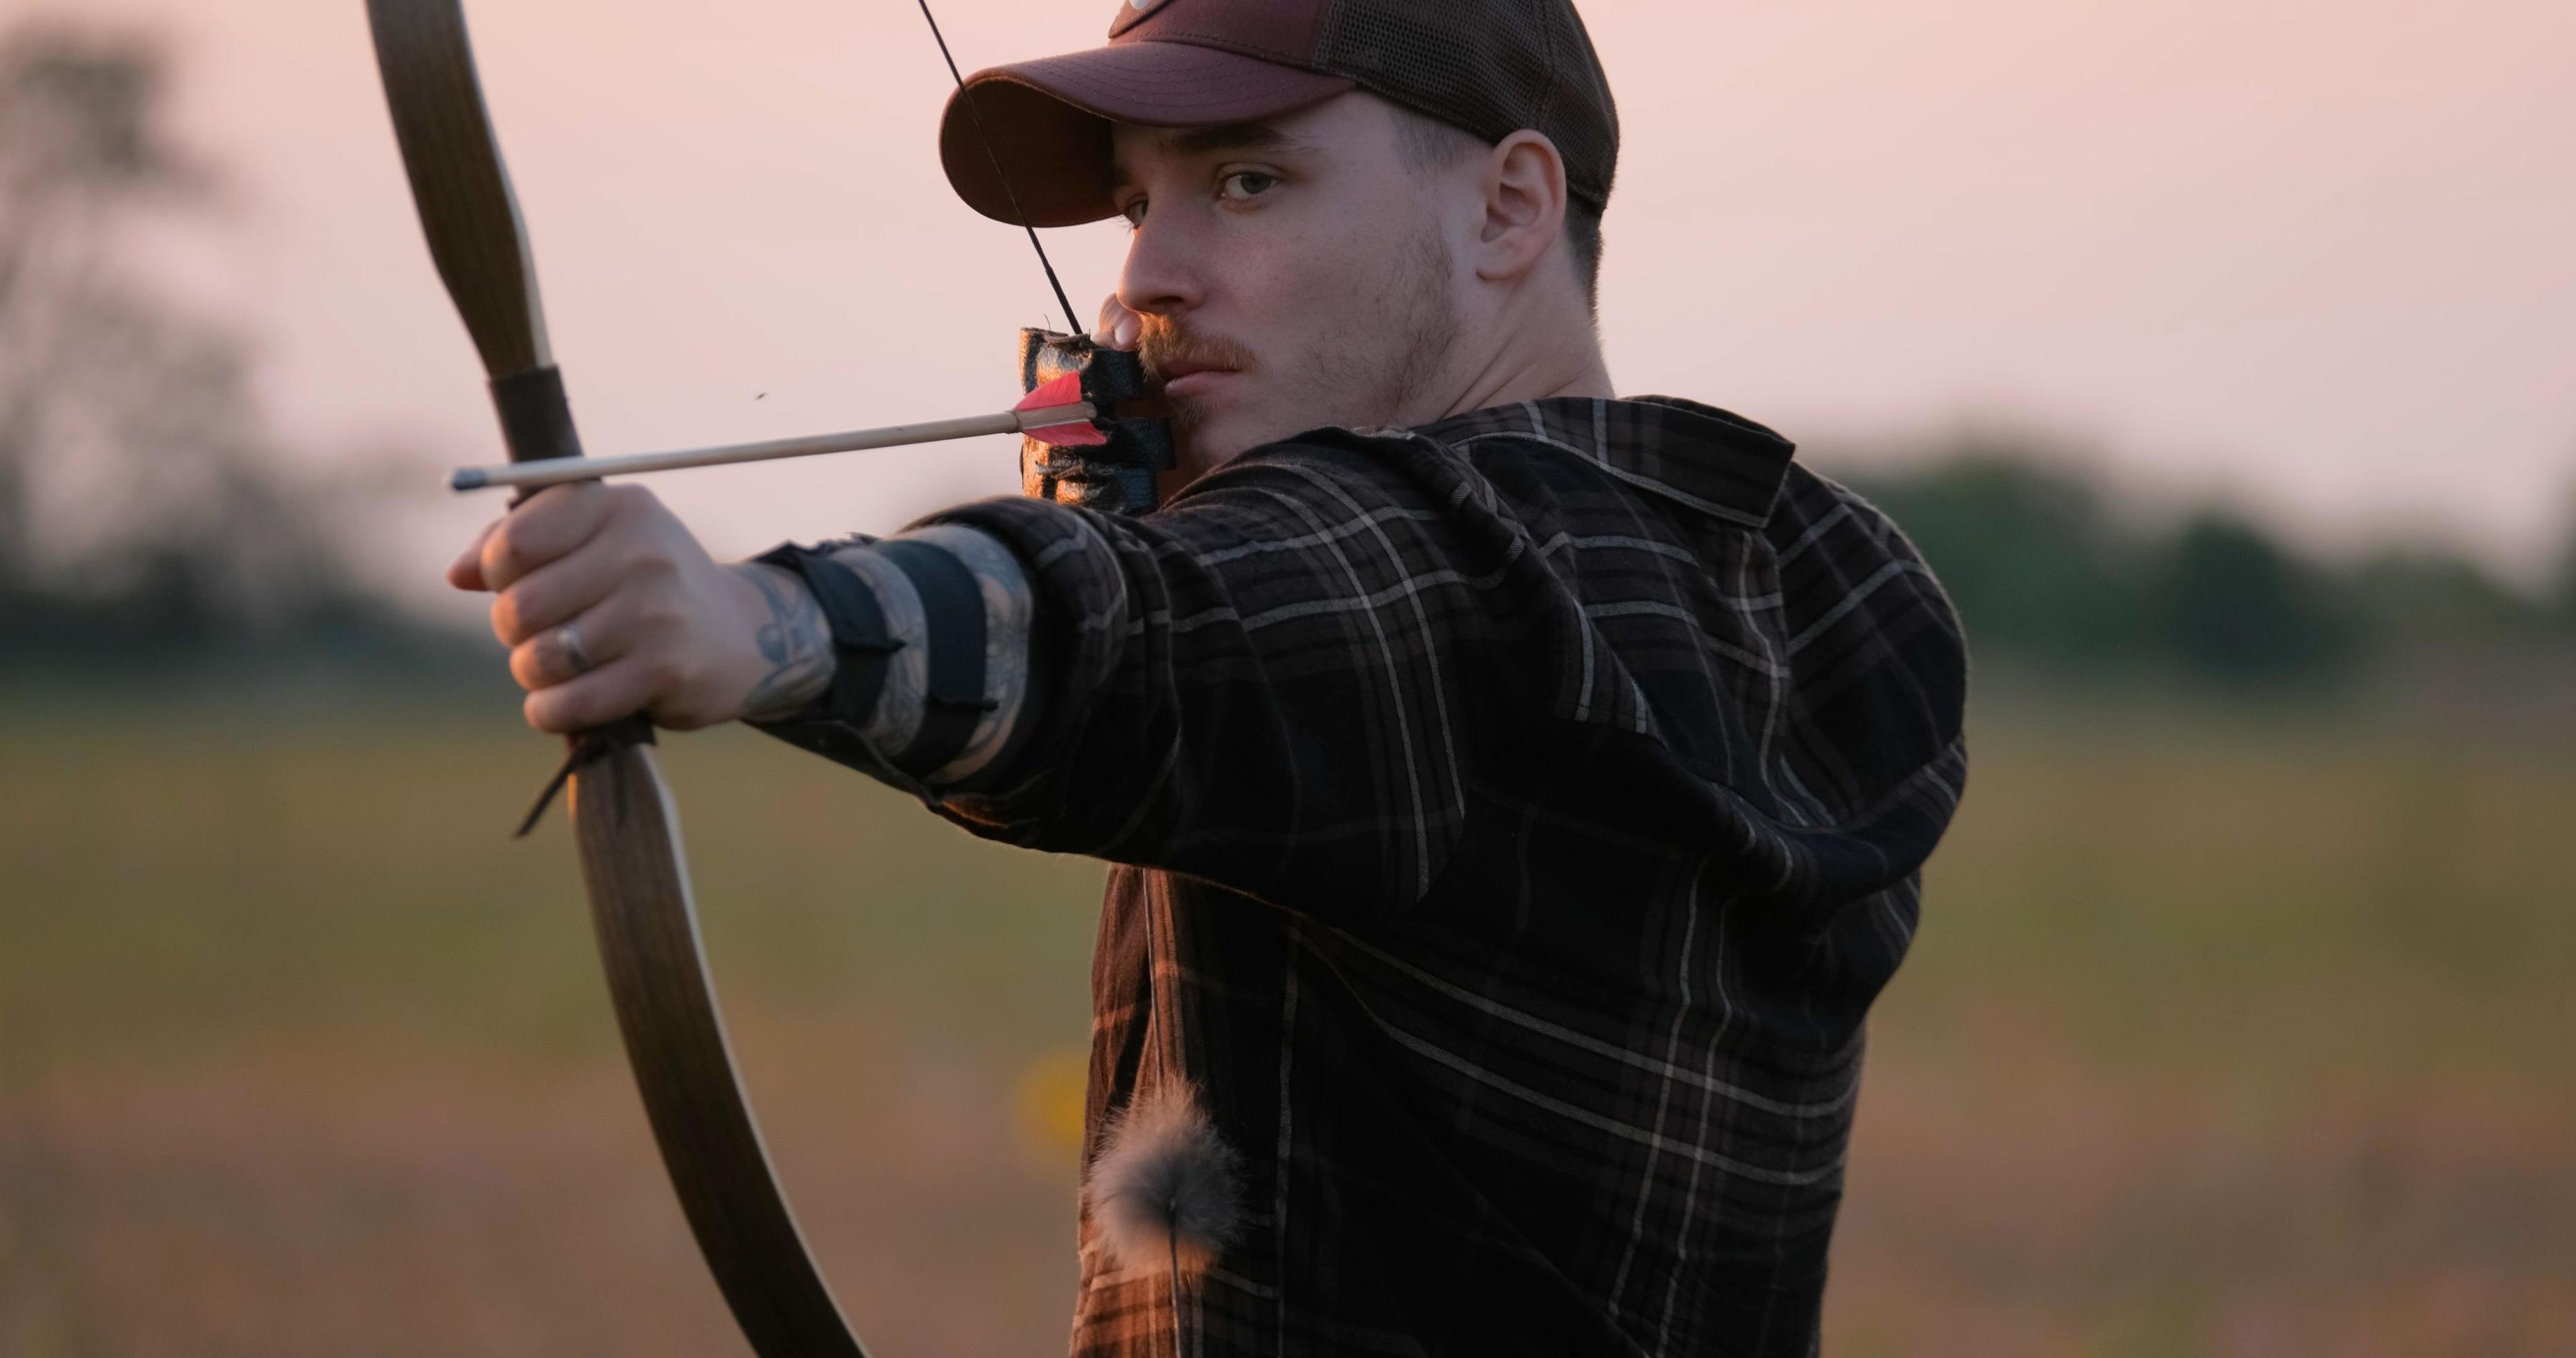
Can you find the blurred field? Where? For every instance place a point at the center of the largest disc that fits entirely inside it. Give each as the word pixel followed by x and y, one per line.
pixel 2224 1034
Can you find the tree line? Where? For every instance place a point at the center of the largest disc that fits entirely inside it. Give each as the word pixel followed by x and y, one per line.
pixel 148 517
pixel 2046 573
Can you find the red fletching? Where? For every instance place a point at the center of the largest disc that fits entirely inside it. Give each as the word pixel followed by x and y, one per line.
pixel 1082 435
pixel 1062 391
pixel 1058 391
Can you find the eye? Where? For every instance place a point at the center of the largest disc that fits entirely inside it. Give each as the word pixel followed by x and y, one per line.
pixel 1242 185
pixel 1134 211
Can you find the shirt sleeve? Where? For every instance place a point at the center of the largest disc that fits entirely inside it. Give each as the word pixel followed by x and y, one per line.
pixel 1276 682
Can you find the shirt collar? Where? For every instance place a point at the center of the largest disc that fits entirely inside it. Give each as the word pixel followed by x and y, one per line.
pixel 1697 455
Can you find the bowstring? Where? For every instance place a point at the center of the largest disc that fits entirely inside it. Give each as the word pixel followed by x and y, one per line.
pixel 1071 326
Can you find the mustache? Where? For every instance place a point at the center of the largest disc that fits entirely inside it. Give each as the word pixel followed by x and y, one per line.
pixel 1165 345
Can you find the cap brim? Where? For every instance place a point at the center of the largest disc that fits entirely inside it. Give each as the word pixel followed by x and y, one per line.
pixel 1047 121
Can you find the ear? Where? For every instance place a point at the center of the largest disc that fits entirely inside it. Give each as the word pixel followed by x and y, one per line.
pixel 1524 206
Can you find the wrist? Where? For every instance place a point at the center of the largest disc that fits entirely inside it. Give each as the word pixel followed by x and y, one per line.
pixel 933 633
pixel 850 627
pixel 792 662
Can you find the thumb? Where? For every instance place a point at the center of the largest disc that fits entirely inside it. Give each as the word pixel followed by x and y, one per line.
pixel 1119 328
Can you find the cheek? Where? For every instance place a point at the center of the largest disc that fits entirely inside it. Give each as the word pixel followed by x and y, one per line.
pixel 1328 309
pixel 1380 294
pixel 1290 313
pixel 1274 287
pixel 1316 294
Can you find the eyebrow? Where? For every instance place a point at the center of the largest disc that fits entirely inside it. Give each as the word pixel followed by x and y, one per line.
pixel 1199 141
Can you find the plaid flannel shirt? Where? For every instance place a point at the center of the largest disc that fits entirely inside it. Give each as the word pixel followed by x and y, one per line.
pixel 1512 820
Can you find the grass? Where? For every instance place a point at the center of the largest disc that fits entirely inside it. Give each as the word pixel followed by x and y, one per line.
pixel 2229 1035
pixel 2225 1033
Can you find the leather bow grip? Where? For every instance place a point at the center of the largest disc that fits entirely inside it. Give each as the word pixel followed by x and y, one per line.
pixel 536 417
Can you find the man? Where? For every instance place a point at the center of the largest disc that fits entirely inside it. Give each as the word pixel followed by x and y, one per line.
pixel 1515 794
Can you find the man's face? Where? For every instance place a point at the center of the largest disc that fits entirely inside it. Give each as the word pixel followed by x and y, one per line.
pixel 1291 274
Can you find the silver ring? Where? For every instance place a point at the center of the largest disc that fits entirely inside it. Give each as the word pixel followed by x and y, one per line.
pixel 568 640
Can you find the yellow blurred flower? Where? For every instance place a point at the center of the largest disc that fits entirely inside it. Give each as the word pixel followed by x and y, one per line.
pixel 1048 1106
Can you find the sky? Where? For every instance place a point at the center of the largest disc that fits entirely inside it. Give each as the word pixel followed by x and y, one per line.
pixel 2316 256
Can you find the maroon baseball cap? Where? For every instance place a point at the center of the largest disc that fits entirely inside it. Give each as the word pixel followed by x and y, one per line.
pixel 1029 142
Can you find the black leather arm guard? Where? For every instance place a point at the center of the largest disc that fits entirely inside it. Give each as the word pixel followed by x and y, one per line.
pixel 1118 476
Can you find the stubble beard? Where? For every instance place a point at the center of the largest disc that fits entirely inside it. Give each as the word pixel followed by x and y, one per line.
pixel 1394 352
pixel 1400 351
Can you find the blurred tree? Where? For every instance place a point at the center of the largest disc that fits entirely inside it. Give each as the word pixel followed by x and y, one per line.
pixel 2230 603
pixel 2045 572
pixel 2035 563
pixel 78 147
pixel 144 509
pixel 2563 587
pixel 2420 598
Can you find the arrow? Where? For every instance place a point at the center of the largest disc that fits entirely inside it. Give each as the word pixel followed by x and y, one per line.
pixel 1046 416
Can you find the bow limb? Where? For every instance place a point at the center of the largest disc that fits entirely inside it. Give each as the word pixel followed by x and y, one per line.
pixel 623 817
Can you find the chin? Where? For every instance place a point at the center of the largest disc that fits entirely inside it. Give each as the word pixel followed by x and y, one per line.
pixel 1209 440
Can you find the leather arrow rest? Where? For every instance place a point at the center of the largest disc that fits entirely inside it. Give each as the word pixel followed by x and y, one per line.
pixel 623 817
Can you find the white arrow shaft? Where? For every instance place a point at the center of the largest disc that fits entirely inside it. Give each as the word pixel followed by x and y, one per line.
pixel 558 471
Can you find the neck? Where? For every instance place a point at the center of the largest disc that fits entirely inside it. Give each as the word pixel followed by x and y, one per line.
pixel 1535 378
pixel 1537 357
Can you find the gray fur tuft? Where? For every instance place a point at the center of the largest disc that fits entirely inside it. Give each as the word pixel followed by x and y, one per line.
pixel 1166 1189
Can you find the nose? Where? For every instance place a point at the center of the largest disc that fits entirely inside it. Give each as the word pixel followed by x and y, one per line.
pixel 1162 275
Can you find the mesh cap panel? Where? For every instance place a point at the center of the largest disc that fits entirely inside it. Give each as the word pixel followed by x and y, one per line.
pixel 1492 67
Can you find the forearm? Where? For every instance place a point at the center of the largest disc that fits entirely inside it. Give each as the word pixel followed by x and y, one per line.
pixel 1271 683
pixel 794 640
pixel 880 667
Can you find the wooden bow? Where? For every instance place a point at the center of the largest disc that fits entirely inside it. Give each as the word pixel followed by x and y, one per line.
pixel 622 814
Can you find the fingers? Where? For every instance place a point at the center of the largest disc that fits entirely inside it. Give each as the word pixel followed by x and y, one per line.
pixel 617 689
pixel 545 597
pixel 550 524
pixel 568 650
pixel 609 607
pixel 1118 328
pixel 647 679
pixel 605 664
pixel 583 549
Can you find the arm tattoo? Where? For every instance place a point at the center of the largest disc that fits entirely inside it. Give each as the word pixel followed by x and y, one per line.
pixel 796 643
pixel 799 644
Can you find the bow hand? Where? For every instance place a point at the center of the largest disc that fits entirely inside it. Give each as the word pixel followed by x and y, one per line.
pixel 610 607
